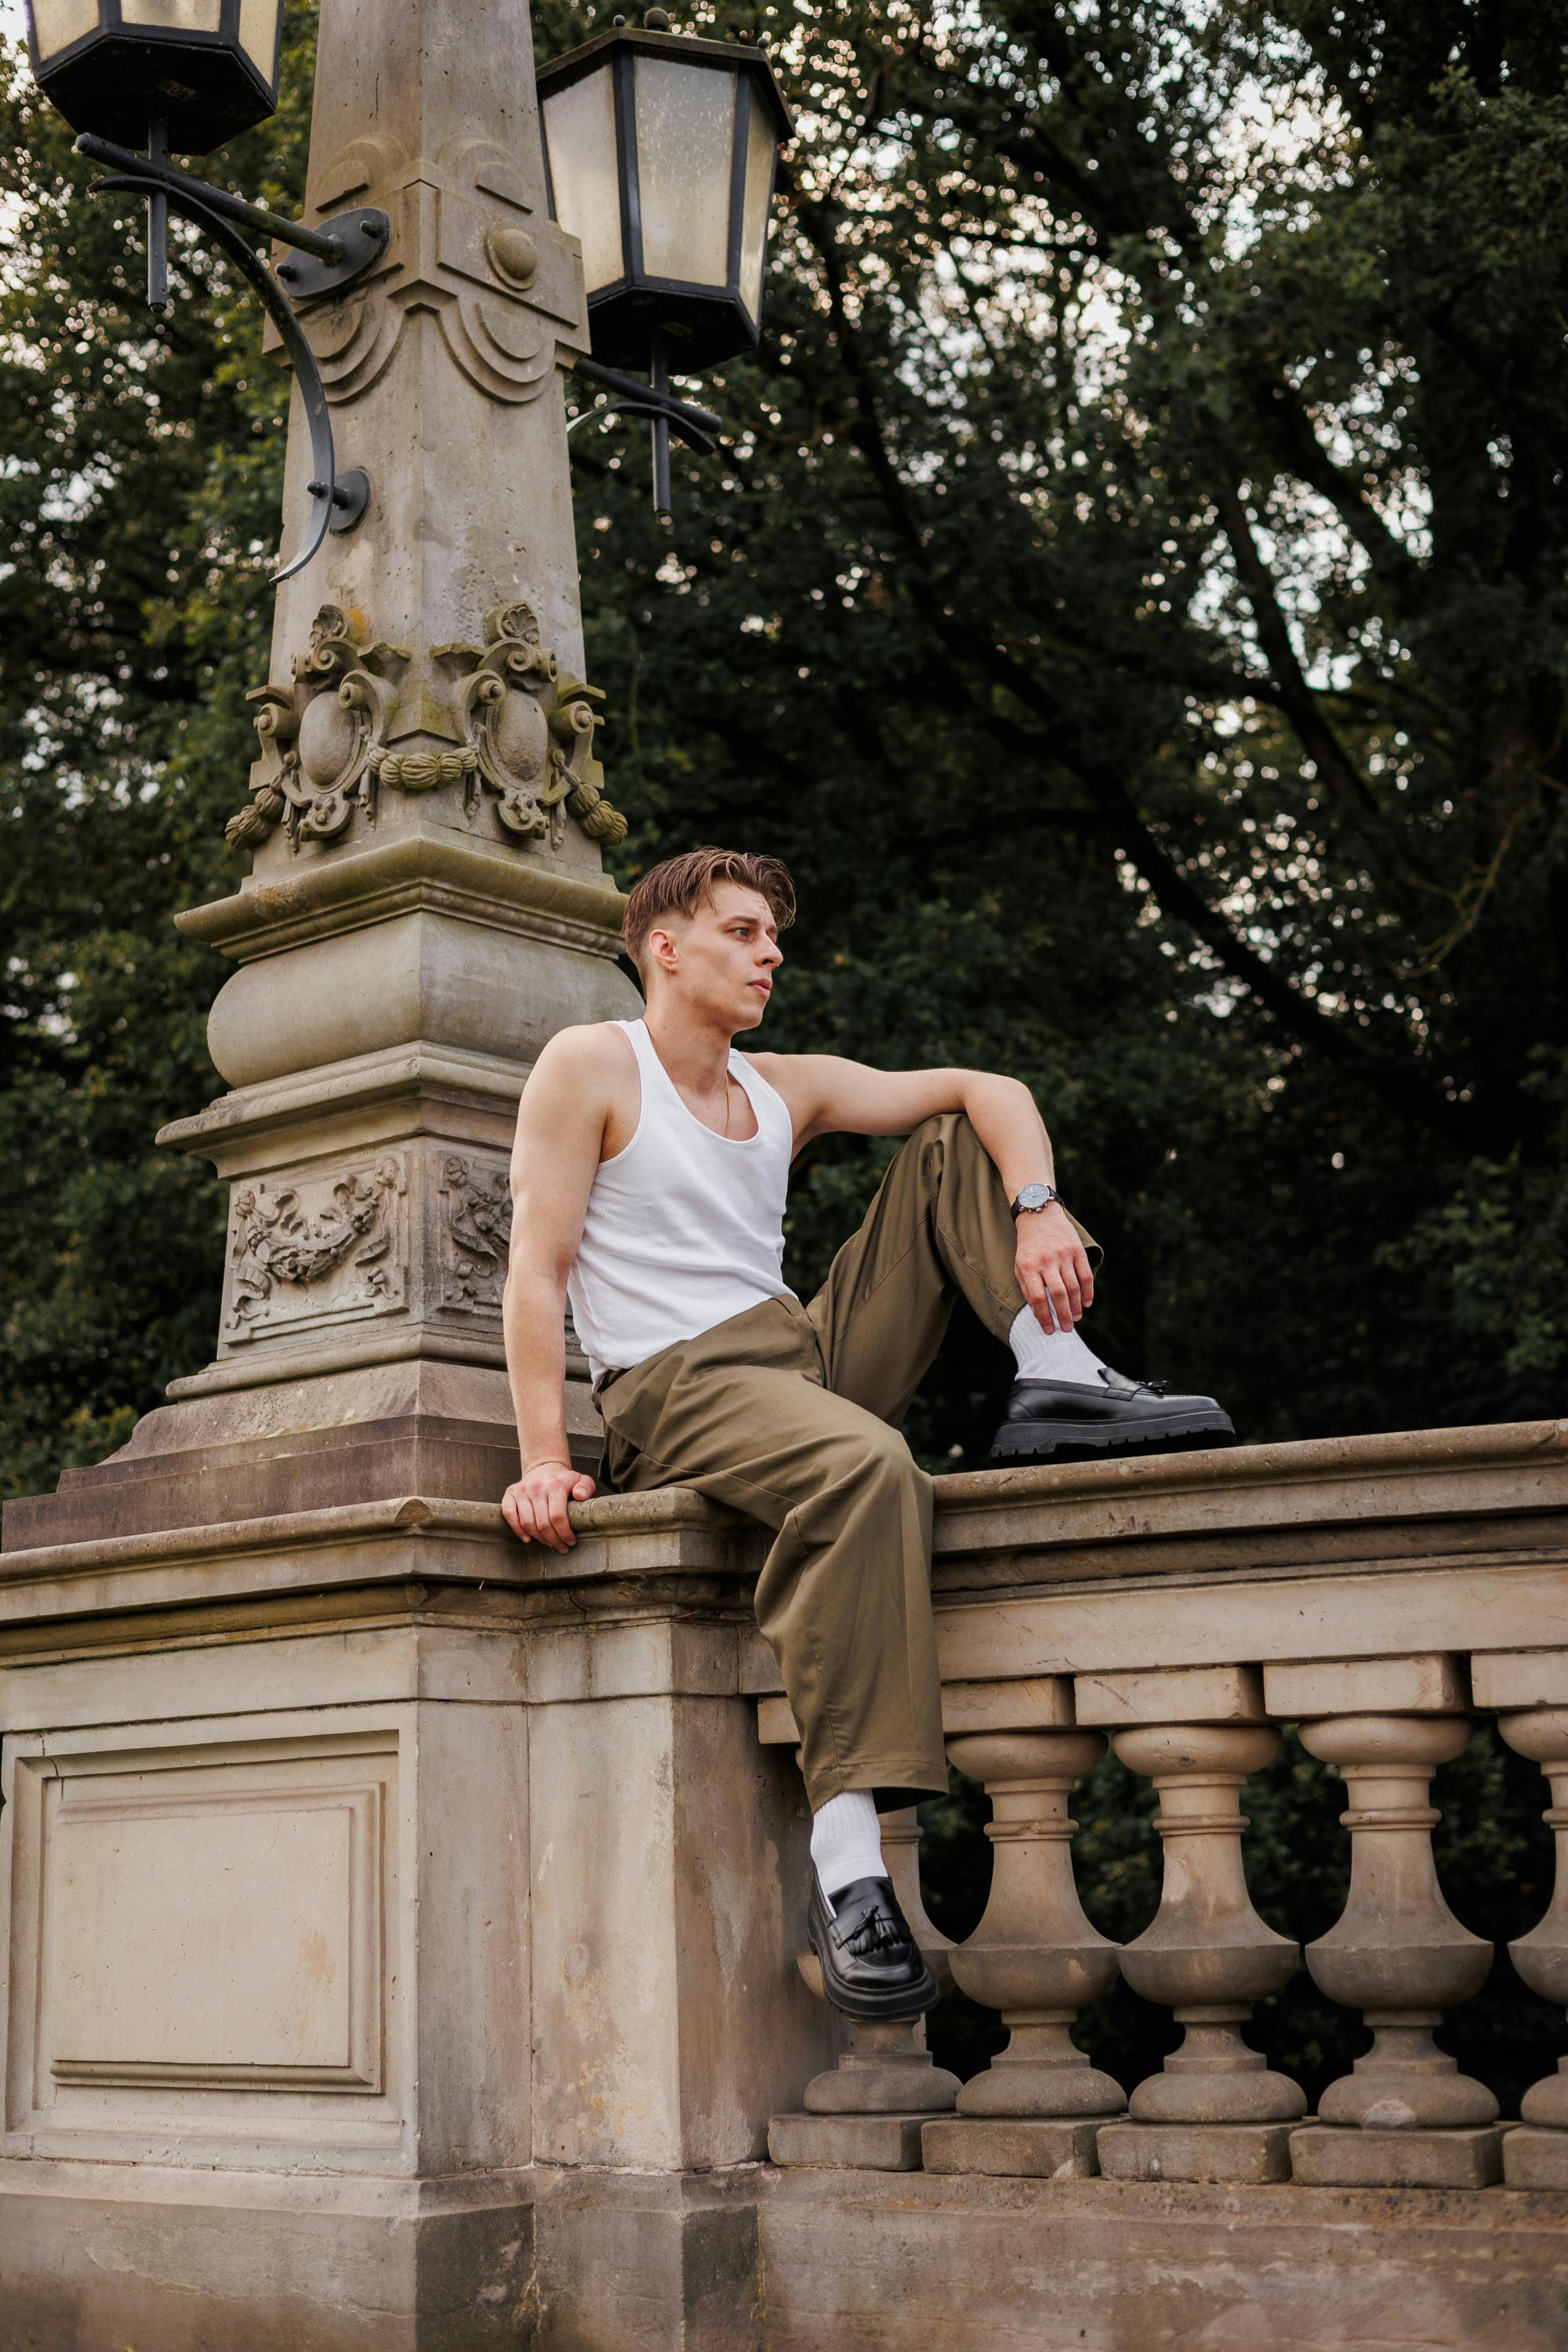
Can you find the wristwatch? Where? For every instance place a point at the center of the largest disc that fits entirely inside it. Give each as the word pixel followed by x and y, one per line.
pixel 1034 1196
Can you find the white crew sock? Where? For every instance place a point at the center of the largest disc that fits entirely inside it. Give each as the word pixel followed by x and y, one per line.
pixel 1056 1355
pixel 846 1842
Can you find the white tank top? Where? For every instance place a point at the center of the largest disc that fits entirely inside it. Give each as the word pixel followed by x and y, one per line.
pixel 684 1228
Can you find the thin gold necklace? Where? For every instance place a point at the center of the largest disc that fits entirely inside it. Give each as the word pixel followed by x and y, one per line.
pixel 727 1086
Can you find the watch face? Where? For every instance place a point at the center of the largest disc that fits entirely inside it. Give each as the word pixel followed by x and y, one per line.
pixel 1034 1196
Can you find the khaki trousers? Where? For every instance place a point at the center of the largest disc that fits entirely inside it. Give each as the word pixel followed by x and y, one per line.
pixel 787 1413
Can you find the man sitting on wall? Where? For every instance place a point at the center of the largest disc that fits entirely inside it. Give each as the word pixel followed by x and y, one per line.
pixel 648 1183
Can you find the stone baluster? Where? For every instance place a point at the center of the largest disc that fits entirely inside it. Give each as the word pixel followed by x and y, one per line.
pixel 1532 1685
pixel 1215 2111
pixel 1404 2115
pixel 867 2110
pixel 1034 1957
pixel 902 1852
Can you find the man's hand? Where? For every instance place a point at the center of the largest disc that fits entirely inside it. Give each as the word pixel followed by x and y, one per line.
pixel 535 1507
pixel 1051 1266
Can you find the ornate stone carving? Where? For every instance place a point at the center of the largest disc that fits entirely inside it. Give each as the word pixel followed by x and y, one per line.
pixel 475 1232
pixel 503 292
pixel 517 729
pixel 531 731
pixel 341 1248
pixel 319 753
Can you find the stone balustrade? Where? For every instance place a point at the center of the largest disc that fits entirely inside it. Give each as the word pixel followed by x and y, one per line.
pixel 520 1894
pixel 1322 1646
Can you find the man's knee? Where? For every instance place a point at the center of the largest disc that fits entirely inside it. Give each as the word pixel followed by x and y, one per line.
pixel 880 1461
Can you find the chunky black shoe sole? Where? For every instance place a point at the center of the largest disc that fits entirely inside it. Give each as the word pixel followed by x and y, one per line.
pixel 1051 1441
pixel 911 1999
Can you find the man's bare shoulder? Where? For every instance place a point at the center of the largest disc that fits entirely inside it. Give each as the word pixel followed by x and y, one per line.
pixel 586 1069
pixel 588 1046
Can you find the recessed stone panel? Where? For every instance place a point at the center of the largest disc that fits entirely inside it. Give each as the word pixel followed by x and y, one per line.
pixel 212 1941
pixel 197 1930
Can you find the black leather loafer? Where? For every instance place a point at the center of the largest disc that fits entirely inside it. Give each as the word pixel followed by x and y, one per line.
pixel 1048 1420
pixel 872 1965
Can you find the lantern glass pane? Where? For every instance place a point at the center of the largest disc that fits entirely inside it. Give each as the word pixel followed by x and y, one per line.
pixel 173 15
pixel 258 35
pixel 580 135
pixel 58 22
pixel 686 130
pixel 762 140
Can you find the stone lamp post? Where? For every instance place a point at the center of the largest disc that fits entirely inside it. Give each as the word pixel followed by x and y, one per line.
pixel 424 822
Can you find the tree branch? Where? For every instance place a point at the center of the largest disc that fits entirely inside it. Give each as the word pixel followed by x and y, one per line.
pixel 1400 1087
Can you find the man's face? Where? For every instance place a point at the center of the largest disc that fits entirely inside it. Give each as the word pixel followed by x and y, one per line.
pixel 721 959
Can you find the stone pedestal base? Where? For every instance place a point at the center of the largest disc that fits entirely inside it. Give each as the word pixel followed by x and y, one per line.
pixel 867 2143
pixel 960 2264
pixel 1535 2159
pixel 1011 2147
pixel 1332 2158
pixel 1238 2152
pixel 97 2257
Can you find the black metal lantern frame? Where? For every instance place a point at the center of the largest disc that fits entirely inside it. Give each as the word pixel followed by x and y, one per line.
pixel 710 322
pixel 205 81
pixel 642 318
pixel 195 88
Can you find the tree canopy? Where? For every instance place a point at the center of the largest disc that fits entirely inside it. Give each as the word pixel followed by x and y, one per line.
pixel 1132 597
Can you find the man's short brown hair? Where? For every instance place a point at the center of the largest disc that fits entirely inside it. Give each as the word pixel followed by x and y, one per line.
pixel 679 885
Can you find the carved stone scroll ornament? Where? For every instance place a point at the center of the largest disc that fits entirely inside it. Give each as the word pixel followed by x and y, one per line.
pixel 531 731
pixel 319 753
pixel 517 729
pixel 277 1241
pixel 477 1235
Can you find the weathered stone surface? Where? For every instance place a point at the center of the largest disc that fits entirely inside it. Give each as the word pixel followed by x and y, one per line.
pixel 1396 1951
pixel 887 2069
pixel 643 2263
pixel 668 2015
pixel 97 2257
pixel 1334 2158
pixel 100 2257
pixel 1520 1678
pixel 1410 1683
pixel 1014 2147
pixel 977 2266
pixel 856 2143
pixel 1034 1957
pixel 1181 1694
pixel 408 1428
pixel 1218 2152
pixel 268 1927
pixel 1535 2159
pixel 472 947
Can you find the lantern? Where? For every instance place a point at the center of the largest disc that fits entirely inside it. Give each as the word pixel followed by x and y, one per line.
pixel 660 150
pixel 198 70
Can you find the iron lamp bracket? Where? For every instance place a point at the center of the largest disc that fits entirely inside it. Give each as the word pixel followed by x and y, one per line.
pixel 332 257
pixel 666 411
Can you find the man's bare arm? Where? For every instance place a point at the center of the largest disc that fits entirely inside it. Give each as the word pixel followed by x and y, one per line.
pixel 828 1095
pixel 560 1136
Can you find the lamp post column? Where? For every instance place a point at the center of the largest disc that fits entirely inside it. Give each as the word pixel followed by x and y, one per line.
pixel 425 904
